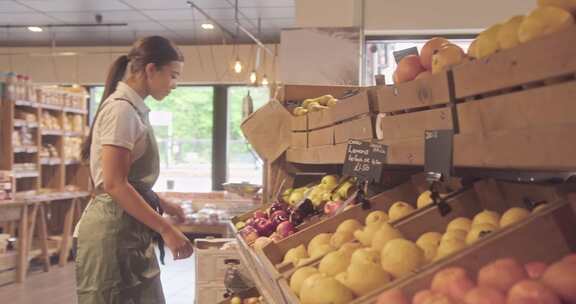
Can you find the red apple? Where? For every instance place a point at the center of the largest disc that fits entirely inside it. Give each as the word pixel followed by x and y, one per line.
pixel 408 68
pixel 331 207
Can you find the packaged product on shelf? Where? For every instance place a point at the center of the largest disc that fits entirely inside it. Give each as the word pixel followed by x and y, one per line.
pixel 6 185
pixel 72 148
pixel 50 121
pixel 11 80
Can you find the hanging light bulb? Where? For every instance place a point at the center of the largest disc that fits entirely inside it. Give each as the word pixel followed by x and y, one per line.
pixel 238 66
pixel 253 77
pixel 264 80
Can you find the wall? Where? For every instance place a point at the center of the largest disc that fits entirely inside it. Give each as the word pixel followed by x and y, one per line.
pixel 204 64
pixel 409 16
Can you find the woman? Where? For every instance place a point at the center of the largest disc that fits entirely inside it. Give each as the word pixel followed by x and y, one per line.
pixel 116 262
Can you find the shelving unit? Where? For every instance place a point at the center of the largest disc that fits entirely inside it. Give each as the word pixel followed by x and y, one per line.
pixel 54 182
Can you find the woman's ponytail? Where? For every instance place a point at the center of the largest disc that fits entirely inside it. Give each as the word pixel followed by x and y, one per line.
pixel 115 75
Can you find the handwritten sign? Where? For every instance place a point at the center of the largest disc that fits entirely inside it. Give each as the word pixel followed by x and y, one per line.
pixel 365 160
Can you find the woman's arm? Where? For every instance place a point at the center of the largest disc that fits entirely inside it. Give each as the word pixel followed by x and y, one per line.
pixel 116 163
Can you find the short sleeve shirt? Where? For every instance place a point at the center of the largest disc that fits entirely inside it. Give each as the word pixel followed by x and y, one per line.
pixel 119 124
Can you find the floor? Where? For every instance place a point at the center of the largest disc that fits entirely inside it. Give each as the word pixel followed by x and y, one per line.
pixel 58 285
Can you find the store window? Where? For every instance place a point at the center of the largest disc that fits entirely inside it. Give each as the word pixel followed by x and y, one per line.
pixel 183 127
pixel 380 55
pixel 244 165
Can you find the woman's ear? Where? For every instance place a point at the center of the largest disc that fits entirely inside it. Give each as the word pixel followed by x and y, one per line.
pixel 150 70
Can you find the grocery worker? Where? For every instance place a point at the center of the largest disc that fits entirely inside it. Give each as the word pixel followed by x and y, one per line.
pixel 116 262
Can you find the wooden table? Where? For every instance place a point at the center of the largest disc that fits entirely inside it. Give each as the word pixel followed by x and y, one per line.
pixel 13 211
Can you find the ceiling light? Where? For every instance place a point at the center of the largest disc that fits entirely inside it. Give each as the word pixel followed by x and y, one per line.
pixel 264 80
pixel 35 29
pixel 253 77
pixel 238 66
pixel 207 26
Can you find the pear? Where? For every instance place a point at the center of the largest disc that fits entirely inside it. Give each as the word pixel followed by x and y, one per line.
pixel 448 55
pixel 362 280
pixel 383 235
pixel 366 235
pixel 323 289
pixel 508 34
pixel 543 21
pixel 401 257
pixel 454 234
pixel 512 216
pixel 399 210
pixel 299 111
pixel 299 276
pixel 479 231
pixel 430 250
pixel 349 248
pixel 341 237
pixel 349 225
pixel 487 43
pixel 376 218
pixel 449 247
pixel 424 199
pixel 460 223
pixel 295 197
pixel 320 239
pixel 429 238
pixel 321 250
pixel 334 263
pixel 365 257
pixel 569 5
pixel 295 254
pixel 331 180
pixel 487 217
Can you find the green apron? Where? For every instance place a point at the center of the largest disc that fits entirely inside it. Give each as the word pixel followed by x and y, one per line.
pixel 116 262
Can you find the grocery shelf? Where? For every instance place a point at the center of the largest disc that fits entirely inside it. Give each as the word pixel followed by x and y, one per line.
pixel 49 161
pixel 25 149
pixel 51 107
pixel 52 132
pixel 72 162
pixel 25 103
pixel 74 110
pixel 25 174
pixel 24 123
pixel 72 134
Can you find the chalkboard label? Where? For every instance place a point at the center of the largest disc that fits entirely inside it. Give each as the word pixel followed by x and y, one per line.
pixel 398 55
pixel 438 157
pixel 365 160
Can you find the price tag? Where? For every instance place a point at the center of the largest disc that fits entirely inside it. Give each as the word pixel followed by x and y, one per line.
pixel 398 55
pixel 438 158
pixel 365 160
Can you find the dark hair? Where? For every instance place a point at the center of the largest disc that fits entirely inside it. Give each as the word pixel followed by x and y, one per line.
pixel 153 49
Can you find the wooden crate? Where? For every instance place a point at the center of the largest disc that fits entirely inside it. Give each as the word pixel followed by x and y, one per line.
pixel 467 204
pixel 416 94
pixel 299 140
pixel 8 262
pixel 543 59
pixel 551 229
pixel 321 137
pixel 210 260
pixel 361 128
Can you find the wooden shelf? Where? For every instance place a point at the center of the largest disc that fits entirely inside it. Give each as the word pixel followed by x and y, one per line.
pixel 24 123
pixel 26 174
pixel 73 134
pixel 25 103
pixel 51 107
pixel 52 132
pixel 72 162
pixel 75 111
pixel 50 161
pixel 25 149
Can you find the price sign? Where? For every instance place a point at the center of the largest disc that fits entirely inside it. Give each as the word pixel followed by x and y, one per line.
pixel 365 160
pixel 398 55
pixel 438 157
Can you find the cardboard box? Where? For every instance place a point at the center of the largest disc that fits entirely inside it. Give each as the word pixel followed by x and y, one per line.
pixel 544 58
pixel 268 130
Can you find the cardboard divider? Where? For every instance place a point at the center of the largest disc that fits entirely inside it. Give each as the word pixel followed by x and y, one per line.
pixel 544 58
pixel 420 93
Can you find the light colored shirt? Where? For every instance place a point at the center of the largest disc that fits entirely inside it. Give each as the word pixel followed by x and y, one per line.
pixel 119 124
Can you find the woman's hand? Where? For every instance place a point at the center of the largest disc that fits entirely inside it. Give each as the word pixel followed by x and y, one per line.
pixel 178 243
pixel 173 209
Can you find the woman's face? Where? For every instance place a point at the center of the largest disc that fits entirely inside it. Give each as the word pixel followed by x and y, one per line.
pixel 161 81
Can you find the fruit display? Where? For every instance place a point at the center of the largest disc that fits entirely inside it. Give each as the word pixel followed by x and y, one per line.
pixel 314 105
pixel 549 17
pixel 282 218
pixel 249 300
pixel 437 55
pixel 503 281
